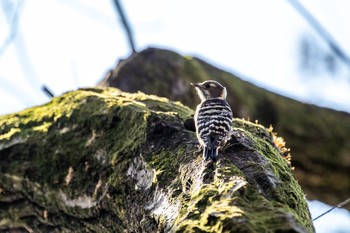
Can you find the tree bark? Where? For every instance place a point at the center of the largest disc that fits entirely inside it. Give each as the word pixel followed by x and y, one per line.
pixel 100 160
pixel 319 138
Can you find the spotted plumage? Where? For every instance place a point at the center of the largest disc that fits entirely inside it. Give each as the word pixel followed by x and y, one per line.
pixel 213 118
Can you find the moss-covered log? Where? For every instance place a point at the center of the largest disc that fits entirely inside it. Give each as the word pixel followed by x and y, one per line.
pixel 319 137
pixel 100 160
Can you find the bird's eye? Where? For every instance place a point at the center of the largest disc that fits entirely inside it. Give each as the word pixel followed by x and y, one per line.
pixel 207 86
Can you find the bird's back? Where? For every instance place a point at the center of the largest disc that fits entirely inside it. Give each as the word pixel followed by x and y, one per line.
pixel 213 122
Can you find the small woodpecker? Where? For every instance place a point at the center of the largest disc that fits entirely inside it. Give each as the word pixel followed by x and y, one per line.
pixel 213 118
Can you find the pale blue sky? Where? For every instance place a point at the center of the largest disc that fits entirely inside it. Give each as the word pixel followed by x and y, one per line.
pixel 66 44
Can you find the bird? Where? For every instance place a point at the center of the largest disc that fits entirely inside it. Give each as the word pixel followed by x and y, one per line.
pixel 213 118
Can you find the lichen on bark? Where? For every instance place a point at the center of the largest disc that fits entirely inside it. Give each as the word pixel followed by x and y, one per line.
pixel 101 160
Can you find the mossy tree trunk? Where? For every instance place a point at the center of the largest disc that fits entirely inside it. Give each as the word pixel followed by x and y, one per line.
pixel 100 160
pixel 319 138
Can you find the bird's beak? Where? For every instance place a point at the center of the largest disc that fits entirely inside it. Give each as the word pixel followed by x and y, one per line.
pixel 196 85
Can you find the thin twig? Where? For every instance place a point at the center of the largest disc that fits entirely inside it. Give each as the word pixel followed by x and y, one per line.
pixel 337 206
pixel 125 24
pixel 47 91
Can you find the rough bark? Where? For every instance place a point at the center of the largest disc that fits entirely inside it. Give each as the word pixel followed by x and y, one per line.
pixel 319 138
pixel 100 160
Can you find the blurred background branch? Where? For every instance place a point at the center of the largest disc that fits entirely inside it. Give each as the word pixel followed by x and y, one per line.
pixel 9 7
pixel 126 25
pixel 321 30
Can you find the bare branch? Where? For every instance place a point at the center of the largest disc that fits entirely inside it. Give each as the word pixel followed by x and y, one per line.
pixel 315 24
pixel 125 25
pixel 347 201
pixel 47 91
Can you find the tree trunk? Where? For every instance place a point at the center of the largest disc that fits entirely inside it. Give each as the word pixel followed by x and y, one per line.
pixel 100 160
pixel 319 138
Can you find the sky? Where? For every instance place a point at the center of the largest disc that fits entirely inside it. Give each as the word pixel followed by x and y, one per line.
pixel 67 44
pixel 337 221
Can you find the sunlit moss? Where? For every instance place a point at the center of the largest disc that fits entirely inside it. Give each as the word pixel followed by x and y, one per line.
pixel 80 146
pixel 9 133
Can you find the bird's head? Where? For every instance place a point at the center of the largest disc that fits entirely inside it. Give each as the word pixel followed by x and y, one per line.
pixel 210 89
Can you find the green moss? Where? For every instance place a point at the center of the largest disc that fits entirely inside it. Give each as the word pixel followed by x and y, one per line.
pixel 318 134
pixel 82 156
pixel 226 202
pixel 282 170
pixel 8 135
pixel 85 120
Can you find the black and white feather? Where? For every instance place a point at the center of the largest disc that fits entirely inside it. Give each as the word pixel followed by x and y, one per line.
pixel 213 118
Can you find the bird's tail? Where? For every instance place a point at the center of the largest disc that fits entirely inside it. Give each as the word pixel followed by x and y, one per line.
pixel 211 153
